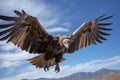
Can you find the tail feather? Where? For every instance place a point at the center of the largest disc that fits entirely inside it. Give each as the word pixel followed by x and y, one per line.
pixel 39 61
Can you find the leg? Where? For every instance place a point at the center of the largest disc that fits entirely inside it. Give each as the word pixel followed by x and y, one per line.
pixel 58 58
pixel 57 68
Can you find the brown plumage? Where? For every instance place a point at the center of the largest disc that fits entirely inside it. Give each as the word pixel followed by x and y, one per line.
pixel 27 33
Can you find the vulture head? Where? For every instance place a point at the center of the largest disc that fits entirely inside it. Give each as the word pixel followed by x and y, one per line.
pixel 65 42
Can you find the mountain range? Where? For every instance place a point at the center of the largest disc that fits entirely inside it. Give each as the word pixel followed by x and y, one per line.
pixel 103 74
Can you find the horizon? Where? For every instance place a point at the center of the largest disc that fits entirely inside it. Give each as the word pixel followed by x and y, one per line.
pixel 82 72
pixel 62 17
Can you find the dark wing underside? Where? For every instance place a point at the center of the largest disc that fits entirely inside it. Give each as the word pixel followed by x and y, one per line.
pixel 24 31
pixel 89 33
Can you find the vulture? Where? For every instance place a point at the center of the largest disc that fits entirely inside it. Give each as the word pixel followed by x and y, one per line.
pixel 27 33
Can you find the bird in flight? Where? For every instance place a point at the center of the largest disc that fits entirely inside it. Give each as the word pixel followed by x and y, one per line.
pixel 27 33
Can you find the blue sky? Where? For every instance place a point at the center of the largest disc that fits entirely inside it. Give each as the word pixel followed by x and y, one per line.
pixel 62 17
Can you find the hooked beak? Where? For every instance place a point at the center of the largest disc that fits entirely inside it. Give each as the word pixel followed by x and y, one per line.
pixel 66 45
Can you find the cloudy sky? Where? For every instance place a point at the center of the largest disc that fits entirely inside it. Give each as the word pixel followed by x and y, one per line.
pixel 62 17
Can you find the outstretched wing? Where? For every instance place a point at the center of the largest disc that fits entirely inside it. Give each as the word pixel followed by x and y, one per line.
pixel 89 33
pixel 25 31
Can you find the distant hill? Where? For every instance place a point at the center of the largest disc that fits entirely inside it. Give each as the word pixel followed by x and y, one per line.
pixel 112 76
pixel 103 74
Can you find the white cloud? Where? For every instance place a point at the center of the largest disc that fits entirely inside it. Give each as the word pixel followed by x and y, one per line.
pixel 11 60
pixel 96 64
pixel 67 24
pixel 58 29
pixel 31 73
pixel 8 58
pixel 7 47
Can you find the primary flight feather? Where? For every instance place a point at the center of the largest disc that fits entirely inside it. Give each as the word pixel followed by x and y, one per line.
pixel 26 32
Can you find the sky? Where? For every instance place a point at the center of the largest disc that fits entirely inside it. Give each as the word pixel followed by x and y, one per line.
pixel 62 17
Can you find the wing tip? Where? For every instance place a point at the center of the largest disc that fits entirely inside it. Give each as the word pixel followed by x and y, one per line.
pixel 100 18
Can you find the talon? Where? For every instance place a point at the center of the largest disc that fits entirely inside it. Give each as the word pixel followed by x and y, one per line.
pixel 45 66
pixel 45 69
pixel 57 68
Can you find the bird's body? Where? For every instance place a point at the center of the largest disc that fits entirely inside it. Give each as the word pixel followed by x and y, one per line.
pixel 28 34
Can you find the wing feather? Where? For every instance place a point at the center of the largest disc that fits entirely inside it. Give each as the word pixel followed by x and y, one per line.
pixel 5 37
pixel 104 24
pixel 105 29
pixel 18 13
pixel 101 19
pixel 25 32
pixel 89 33
pixel 6 31
pixel 6 25
pixel 88 38
pixel 8 18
